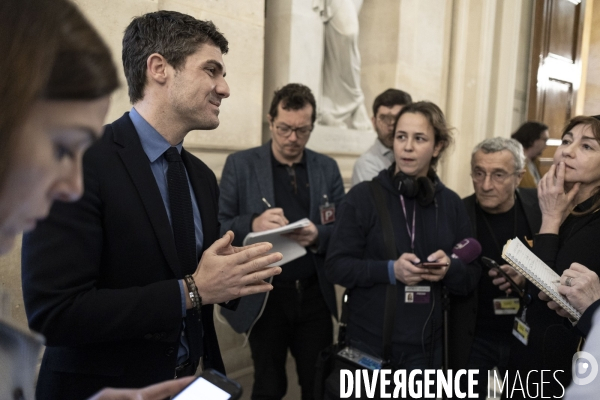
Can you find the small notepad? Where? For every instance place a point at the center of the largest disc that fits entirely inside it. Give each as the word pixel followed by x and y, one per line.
pixel 290 249
pixel 537 272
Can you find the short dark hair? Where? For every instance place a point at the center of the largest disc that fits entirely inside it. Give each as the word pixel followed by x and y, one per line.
pixel 293 96
pixel 391 98
pixel 434 115
pixel 83 68
pixel 171 34
pixel 529 132
pixel 594 125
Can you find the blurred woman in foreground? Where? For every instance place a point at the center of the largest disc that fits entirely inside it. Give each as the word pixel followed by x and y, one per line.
pixel 56 75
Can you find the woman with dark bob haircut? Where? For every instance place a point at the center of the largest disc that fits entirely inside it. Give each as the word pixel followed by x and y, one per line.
pixel 56 75
pixel 428 220
pixel 569 196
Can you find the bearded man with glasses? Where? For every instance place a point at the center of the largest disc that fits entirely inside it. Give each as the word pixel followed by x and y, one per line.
pixel 483 322
pixel 267 187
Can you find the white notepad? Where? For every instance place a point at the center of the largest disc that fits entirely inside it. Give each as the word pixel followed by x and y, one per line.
pixel 537 272
pixel 290 249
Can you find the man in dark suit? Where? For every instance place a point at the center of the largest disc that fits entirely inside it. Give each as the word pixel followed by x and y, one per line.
pixel 482 324
pixel 264 188
pixel 115 281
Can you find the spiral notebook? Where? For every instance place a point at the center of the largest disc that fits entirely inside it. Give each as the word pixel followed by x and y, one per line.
pixel 537 272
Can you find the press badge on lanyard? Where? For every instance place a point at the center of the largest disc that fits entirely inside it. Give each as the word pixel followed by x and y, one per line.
pixel 327 211
pixel 417 294
pixel 506 305
pixel 414 294
pixel 521 329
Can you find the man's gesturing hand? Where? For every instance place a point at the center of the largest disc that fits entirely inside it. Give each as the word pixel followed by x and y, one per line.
pixel 226 272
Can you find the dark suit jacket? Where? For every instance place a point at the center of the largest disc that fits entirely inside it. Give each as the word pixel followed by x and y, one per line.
pixel 247 178
pixel 100 276
pixel 463 310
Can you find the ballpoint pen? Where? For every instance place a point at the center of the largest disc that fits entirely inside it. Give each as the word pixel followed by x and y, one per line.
pixel 266 202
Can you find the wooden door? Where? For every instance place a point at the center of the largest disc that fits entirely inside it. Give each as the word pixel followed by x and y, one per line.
pixel 555 73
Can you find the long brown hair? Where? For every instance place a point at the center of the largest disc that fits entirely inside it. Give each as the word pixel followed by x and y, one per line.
pixel 28 38
pixel 83 68
pixel 49 50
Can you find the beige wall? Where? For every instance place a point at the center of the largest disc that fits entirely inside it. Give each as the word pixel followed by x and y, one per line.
pixel 10 283
pixel 592 87
pixel 485 81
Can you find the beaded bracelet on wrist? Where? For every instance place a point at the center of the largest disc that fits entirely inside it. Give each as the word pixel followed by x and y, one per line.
pixel 193 293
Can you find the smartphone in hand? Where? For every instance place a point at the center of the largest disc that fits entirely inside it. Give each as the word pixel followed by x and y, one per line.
pixel 434 265
pixel 491 264
pixel 211 385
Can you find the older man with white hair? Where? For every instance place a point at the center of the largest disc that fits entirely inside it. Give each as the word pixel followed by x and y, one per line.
pixel 498 211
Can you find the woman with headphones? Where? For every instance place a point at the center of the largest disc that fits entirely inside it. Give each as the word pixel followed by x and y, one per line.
pixel 428 220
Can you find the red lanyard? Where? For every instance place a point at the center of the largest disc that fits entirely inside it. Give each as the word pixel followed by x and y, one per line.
pixel 411 233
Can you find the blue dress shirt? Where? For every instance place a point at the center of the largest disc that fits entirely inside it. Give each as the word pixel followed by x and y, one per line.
pixel 154 145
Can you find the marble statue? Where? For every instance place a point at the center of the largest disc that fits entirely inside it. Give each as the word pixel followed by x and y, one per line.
pixel 342 103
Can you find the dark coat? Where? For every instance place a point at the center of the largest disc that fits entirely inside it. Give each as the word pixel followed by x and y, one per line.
pixel 463 310
pixel 358 260
pixel 100 276
pixel 553 340
pixel 247 178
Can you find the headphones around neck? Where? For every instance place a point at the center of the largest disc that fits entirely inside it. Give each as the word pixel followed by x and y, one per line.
pixel 422 189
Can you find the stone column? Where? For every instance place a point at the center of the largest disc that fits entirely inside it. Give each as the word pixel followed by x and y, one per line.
pixel 482 84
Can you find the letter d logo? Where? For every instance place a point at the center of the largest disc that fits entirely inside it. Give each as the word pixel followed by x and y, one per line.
pixel 585 368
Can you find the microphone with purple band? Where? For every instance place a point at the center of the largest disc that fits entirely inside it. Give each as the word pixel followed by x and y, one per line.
pixel 467 250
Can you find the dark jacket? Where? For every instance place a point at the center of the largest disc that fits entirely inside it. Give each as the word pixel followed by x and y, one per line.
pixel 357 260
pixel 463 310
pixel 247 178
pixel 100 276
pixel 553 340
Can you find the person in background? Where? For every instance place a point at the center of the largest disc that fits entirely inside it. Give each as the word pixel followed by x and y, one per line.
pixel 380 156
pixel 122 281
pixel 264 188
pixel 482 324
pixel 49 117
pixel 428 221
pixel 533 136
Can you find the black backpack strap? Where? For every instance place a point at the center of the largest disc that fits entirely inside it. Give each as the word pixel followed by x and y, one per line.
pixel 392 254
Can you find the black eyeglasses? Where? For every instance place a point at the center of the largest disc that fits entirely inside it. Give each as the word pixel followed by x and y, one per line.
pixel 286 131
pixel 497 176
